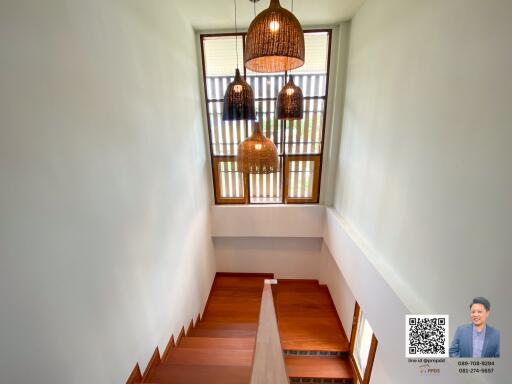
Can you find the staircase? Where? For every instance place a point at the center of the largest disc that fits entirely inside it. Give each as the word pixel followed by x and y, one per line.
pixel 219 348
pixel 315 346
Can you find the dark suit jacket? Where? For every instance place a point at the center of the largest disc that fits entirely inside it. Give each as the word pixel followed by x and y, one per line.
pixel 462 344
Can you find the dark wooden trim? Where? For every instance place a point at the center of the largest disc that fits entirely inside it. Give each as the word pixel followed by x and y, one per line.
pixel 201 39
pixel 355 321
pixel 327 79
pixel 180 336
pixel 312 281
pixel 223 34
pixel 168 349
pixel 209 296
pixel 153 363
pixel 190 327
pixel 371 358
pixel 244 274
pixel 135 376
pixel 269 99
pixel 355 369
pixel 198 319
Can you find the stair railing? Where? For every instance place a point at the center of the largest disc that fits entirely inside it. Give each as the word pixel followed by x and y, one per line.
pixel 268 364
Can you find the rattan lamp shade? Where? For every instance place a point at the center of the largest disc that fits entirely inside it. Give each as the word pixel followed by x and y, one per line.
pixel 290 102
pixel 257 154
pixel 275 41
pixel 238 100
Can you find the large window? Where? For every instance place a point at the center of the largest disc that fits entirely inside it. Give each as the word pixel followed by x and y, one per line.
pixel 299 143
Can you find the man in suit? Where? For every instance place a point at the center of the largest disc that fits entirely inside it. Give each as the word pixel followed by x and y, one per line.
pixel 477 339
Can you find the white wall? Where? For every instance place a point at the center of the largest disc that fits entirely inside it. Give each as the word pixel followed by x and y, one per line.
pixel 424 169
pixel 104 218
pixel 286 257
pixel 341 294
pixel 351 273
pixel 268 221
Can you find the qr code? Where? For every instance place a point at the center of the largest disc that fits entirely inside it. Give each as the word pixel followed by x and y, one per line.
pixel 426 335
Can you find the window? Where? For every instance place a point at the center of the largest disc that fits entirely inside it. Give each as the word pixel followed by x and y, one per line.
pixel 363 345
pixel 299 143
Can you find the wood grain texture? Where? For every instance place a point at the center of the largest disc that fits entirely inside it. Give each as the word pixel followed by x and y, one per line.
pixel 318 367
pixel 307 318
pixel 170 346
pixel 135 376
pixel 152 366
pixel 219 347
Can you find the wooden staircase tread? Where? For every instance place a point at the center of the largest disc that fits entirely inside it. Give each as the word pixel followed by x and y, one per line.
pixel 202 356
pixel 200 374
pixel 307 319
pixel 237 333
pixel 233 343
pixel 226 325
pixel 230 281
pixel 318 367
pixel 317 345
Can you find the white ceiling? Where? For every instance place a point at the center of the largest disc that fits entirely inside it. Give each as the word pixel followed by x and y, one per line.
pixel 207 15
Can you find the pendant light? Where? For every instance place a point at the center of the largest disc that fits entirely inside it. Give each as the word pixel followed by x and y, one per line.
pixel 239 97
pixel 257 154
pixel 275 41
pixel 290 102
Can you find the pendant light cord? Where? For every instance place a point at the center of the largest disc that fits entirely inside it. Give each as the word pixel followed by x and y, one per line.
pixel 236 37
pixel 290 74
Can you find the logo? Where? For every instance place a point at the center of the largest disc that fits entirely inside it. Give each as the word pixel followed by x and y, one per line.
pixel 426 370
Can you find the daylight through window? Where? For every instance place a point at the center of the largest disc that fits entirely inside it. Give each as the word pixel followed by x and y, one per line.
pixel 299 143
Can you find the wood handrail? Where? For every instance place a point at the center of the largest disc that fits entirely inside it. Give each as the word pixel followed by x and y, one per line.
pixel 268 364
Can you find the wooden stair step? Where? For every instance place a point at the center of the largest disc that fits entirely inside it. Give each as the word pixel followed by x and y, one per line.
pixel 202 356
pixel 198 332
pixel 226 325
pixel 233 343
pixel 200 374
pixel 236 282
pixel 318 367
pixel 307 318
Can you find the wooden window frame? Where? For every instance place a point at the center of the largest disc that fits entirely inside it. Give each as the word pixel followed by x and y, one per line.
pixel 363 378
pixel 216 183
pixel 316 175
pixel 284 157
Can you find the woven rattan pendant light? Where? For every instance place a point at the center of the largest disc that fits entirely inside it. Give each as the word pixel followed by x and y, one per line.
pixel 257 154
pixel 239 97
pixel 290 102
pixel 238 100
pixel 275 41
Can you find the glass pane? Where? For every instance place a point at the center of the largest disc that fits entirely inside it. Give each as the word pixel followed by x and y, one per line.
pixel 225 135
pixel 265 85
pixel 300 179
pixel 220 55
pixel 305 136
pixel 363 343
pixel 317 50
pixel 312 85
pixel 266 188
pixel 231 182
